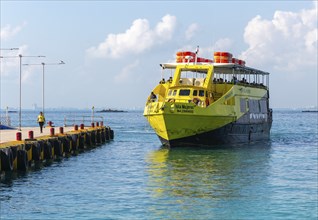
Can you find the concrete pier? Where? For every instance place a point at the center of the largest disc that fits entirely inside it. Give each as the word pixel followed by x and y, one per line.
pixel 10 134
pixel 19 150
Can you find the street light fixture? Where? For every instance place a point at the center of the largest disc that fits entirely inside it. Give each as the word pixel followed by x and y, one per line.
pixel 9 48
pixel 43 65
pixel 20 96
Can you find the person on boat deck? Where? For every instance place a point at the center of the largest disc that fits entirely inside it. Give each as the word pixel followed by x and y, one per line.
pixel 153 97
pixel 170 80
pixel 41 121
pixel 162 81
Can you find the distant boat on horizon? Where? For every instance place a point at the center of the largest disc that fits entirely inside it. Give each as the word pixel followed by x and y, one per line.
pixel 111 110
pixel 309 111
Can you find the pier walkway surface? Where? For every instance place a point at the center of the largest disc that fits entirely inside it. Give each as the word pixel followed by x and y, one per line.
pixel 7 135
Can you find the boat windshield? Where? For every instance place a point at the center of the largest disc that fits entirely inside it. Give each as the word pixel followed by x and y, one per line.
pixel 185 73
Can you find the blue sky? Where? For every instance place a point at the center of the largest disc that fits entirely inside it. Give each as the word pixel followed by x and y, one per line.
pixel 112 49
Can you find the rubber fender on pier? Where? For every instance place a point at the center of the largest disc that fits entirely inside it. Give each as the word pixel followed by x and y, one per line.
pixel 6 159
pixel 36 151
pixel 81 142
pixel 98 137
pixel 22 159
pixel 48 151
pixel 57 146
pixel 93 137
pixel 88 141
pixel 107 133
pixel 103 135
pixel 75 142
pixel 28 146
pixel 66 143
pixel 111 132
pixel 14 150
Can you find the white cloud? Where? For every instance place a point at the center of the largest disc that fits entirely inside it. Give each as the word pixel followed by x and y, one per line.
pixel 8 31
pixel 223 44
pixel 138 38
pixel 191 31
pixel 287 42
pixel 10 61
pixel 127 73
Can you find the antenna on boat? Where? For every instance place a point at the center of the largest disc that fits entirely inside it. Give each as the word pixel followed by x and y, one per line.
pixel 196 55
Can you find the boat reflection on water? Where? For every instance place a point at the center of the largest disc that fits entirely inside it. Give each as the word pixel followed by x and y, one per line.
pixel 207 176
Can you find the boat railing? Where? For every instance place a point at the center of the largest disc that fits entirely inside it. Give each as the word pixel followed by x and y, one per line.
pixel 87 120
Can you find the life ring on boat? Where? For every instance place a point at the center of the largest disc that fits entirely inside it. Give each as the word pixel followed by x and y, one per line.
pixel 185 53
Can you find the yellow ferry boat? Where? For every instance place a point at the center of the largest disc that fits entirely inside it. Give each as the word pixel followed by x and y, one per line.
pixel 207 102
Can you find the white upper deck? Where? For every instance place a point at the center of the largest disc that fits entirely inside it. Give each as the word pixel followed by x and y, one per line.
pixel 225 68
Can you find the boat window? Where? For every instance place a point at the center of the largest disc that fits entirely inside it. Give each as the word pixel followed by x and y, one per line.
pixel 169 93
pixel 195 92
pixel 174 92
pixel 184 92
pixel 201 93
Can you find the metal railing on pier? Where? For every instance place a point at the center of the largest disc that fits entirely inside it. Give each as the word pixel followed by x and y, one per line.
pixel 86 120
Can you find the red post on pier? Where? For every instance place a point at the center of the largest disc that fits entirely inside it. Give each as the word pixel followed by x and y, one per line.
pixel 93 125
pixel 82 126
pixel 61 130
pixel 31 135
pixel 18 136
pixel 102 123
pixel 97 124
pixel 52 131
pixel 76 127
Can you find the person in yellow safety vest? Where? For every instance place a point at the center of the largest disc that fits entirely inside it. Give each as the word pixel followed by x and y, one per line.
pixel 41 121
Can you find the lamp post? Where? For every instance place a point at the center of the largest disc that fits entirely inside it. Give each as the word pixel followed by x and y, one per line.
pixel 43 70
pixel 20 80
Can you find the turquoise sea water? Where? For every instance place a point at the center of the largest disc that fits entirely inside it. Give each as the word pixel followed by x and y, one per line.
pixel 134 177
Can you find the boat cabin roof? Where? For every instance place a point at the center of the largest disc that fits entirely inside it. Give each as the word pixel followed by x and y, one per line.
pixel 225 68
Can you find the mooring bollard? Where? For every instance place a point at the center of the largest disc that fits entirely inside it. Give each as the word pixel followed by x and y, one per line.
pixel 18 136
pixel 82 126
pixel 31 136
pixel 93 125
pixel 52 131
pixel 75 127
pixel 97 124
pixel 61 130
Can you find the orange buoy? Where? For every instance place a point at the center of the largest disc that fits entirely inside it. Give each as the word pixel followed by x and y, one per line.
pixel 185 53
